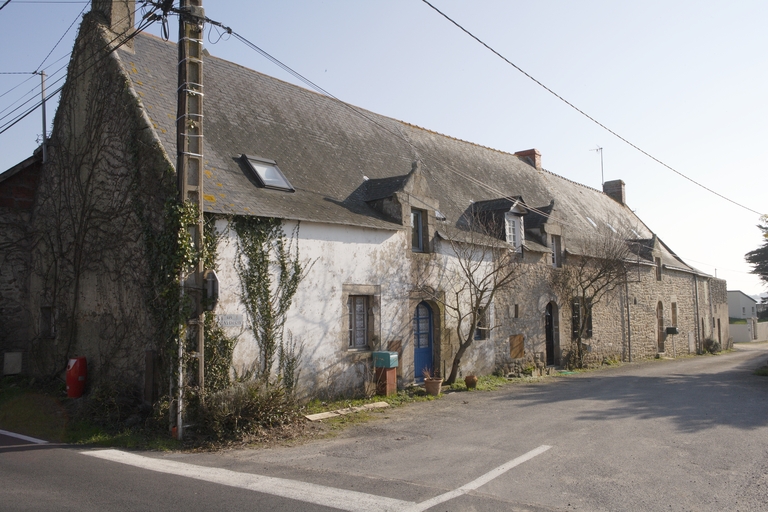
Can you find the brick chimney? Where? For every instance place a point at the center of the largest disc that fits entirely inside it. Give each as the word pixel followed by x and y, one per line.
pixel 530 156
pixel 118 15
pixel 615 190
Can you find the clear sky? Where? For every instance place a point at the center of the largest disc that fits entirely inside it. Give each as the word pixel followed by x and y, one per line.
pixel 684 80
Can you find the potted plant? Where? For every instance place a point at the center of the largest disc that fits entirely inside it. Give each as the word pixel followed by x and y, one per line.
pixel 432 382
pixel 471 381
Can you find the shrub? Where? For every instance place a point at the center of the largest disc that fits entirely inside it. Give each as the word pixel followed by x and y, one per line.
pixel 712 346
pixel 112 406
pixel 244 409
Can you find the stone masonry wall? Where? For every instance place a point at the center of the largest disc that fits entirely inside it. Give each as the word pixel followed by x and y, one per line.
pixel 16 200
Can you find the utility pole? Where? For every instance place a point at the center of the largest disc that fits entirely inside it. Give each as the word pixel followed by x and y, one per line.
pixel 189 170
pixel 45 137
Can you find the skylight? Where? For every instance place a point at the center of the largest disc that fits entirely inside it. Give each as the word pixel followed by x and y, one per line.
pixel 592 222
pixel 612 228
pixel 267 173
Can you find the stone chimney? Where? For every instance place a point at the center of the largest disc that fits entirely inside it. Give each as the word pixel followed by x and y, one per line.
pixel 118 15
pixel 530 156
pixel 615 190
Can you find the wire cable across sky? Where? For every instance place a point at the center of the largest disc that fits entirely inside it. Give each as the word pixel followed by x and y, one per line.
pixel 577 109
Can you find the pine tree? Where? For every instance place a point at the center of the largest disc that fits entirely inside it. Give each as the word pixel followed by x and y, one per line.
pixel 759 257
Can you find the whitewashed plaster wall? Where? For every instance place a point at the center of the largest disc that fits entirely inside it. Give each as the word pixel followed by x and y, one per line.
pixel 339 257
pixel 336 256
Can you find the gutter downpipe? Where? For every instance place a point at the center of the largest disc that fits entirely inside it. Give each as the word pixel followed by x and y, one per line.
pixel 696 303
pixel 629 322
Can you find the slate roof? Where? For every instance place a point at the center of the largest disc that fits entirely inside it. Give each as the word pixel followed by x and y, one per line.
pixel 327 148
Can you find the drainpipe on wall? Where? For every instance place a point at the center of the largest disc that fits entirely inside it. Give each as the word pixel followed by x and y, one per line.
pixel 696 313
pixel 629 322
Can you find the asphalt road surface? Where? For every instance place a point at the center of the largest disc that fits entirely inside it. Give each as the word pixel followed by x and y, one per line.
pixel 689 434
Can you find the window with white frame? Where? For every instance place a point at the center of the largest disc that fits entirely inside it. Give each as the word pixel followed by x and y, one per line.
pixel 514 229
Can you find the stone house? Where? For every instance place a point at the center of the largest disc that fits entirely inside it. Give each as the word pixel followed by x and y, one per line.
pixel 374 203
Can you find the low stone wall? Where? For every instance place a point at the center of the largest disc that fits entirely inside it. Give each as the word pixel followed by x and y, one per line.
pixel 742 333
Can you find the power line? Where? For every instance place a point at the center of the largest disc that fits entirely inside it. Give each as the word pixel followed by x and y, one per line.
pixel 46 2
pixel 148 21
pixel 32 75
pixel 363 114
pixel 623 139
pixel 62 37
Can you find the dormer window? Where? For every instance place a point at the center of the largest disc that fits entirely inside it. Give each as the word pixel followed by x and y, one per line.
pixel 514 228
pixel 267 173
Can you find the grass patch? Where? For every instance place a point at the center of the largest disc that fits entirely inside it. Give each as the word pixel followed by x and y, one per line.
pixel 762 372
pixel 402 397
pixel 44 412
pixel 484 383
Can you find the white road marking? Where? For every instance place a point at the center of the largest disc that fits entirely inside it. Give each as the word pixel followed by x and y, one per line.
pixel 23 437
pixel 292 489
pixel 478 482
pixel 303 491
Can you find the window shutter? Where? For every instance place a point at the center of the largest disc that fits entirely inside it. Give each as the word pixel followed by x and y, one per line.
pixel 575 317
pixel 491 315
pixel 589 318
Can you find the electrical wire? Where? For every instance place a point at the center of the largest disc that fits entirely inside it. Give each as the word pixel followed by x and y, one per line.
pixel 583 113
pixel 5 127
pixel 62 37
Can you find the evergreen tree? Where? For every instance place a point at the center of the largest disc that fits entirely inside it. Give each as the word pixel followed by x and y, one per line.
pixel 759 257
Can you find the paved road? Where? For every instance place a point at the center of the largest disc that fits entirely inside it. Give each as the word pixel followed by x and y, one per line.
pixel 688 434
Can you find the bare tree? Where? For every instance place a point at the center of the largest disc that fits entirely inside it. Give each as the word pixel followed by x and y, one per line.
pixel 595 267
pixel 472 266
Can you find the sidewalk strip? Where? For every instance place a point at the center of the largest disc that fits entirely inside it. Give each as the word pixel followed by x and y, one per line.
pixel 22 437
pixel 302 491
pixel 478 482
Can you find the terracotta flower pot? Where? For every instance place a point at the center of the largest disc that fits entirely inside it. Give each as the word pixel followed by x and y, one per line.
pixel 433 386
pixel 470 381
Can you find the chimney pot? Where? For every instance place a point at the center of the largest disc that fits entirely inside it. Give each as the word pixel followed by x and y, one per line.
pixel 118 15
pixel 615 190
pixel 531 156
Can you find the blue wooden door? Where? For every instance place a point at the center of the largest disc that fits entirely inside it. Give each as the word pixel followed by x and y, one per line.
pixel 422 340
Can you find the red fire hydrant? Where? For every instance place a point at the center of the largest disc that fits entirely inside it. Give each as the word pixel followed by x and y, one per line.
pixel 77 372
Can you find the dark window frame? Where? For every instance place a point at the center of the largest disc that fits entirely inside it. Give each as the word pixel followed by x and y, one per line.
pixel 352 324
pixel 47 322
pixel 417 230
pixel 576 318
pixel 250 162
pixel 557 251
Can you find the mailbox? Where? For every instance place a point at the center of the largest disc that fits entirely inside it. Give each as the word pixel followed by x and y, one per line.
pixel 77 372
pixel 673 330
pixel 383 359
